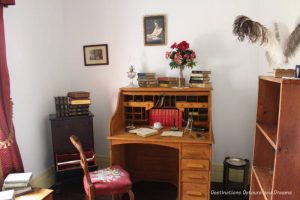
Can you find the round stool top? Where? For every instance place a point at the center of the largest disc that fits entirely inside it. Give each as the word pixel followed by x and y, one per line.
pixel 236 161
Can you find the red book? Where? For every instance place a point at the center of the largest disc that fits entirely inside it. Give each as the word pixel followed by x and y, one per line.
pixel 180 119
pixel 176 118
pixel 168 118
pixel 160 116
pixel 163 119
pixel 155 119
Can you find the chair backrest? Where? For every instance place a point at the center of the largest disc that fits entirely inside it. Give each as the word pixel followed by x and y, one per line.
pixel 76 142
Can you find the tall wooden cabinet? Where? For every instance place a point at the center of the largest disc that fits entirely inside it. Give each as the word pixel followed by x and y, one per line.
pixel 276 162
pixel 184 161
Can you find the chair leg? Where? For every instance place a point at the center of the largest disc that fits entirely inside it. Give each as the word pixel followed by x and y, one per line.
pixel 131 195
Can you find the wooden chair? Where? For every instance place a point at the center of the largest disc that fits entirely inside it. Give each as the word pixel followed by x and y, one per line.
pixel 109 181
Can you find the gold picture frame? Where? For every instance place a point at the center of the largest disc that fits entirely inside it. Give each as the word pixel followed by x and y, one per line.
pixel 95 54
pixel 155 30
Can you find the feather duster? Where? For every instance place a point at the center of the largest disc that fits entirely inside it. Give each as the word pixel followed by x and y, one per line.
pixel 280 45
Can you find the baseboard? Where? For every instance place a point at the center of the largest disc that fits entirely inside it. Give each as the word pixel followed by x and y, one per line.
pixel 47 178
pixel 44 179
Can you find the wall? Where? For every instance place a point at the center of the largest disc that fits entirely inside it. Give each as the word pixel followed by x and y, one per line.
pixel 34 37
pixel 207 25
pixel 45 57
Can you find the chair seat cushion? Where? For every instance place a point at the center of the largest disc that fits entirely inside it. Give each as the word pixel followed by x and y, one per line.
pixel 108 181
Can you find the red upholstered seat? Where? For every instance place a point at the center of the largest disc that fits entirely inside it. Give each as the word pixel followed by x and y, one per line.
pixel 103 182
pixel 108 181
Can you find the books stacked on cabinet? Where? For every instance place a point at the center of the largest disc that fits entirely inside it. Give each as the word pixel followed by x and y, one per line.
pixel 79 103
pixel 167 82
pixel 147 80
pixel 18 182
pixel 200 78
pixel 74 104
pixel 61 106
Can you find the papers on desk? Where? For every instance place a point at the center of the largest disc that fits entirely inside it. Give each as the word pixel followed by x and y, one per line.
pixel 172 133
pixel 144 132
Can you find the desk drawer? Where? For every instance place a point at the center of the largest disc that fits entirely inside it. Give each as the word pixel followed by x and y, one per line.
pixel 191 164
pixel 192 191
pixel 195 176
pixel 196 151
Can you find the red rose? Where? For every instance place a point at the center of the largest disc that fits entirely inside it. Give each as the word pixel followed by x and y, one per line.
pixel 186 56
pixel 168 53
pixel 193 55
pixel 183 45
pixel 174 45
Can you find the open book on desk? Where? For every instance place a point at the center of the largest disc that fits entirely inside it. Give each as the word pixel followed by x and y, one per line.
pixel 144 132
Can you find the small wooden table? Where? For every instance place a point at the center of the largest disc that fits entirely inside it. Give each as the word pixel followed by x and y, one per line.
pixel 37 194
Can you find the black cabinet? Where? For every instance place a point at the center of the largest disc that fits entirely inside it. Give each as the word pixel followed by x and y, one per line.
pixel 66 157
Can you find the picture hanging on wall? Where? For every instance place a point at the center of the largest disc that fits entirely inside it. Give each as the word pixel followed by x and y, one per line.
pixel 155 30
pixel 95 54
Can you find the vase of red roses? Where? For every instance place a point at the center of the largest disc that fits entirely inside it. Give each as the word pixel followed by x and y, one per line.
pixel 181 56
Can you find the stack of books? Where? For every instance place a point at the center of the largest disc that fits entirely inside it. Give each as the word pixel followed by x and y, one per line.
pixel 79 103
pixel 147 80
pixel 200 78
pixel 167 82
pixel 19 182
pixel 61 106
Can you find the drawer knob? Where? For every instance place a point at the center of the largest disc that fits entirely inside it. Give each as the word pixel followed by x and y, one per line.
pixel 197 178
pixel 194 193
pixel 195 166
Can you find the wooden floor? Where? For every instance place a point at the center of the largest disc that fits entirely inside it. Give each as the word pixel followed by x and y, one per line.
pixel 72 189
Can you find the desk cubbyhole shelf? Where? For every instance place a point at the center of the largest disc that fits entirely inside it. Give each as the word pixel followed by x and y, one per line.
pixel 137 107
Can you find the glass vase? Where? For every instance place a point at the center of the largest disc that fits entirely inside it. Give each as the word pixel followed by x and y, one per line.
pixel 181 80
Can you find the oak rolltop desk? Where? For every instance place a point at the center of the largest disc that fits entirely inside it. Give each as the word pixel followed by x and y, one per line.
pixel 183 161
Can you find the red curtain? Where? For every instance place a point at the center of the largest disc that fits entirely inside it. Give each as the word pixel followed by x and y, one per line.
pixel 10 159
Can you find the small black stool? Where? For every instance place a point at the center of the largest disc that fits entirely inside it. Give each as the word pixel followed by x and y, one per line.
pixel 238 164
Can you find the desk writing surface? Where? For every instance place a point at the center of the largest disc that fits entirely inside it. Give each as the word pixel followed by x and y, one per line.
pixel 186 138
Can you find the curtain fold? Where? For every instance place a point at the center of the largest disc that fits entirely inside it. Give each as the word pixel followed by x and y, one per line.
pixel 10 159
pixel 7 2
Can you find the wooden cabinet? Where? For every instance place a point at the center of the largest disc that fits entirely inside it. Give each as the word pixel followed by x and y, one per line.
pixel 276 161
pixel 183 161
pixel 66 157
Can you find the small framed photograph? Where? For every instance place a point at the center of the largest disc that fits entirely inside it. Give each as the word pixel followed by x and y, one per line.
pixel 155 30
pixel 95 54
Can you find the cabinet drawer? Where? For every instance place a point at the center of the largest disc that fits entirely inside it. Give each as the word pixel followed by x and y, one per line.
pixel 193 191
pixel 196 151
pixel 195 176
pixel 195 164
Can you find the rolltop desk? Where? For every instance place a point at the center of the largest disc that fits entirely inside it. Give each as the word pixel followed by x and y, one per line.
pixel 183 161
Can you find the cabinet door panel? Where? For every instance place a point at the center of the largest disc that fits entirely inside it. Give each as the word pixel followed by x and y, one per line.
pixel 63 129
